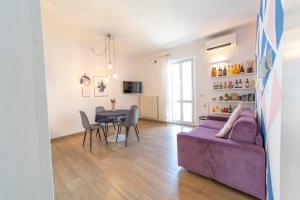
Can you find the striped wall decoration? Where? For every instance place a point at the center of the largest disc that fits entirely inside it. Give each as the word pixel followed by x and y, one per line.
pixel 269 42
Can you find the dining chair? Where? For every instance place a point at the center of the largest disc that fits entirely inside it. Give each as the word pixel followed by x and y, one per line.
pixel 131 120
pixel 122 119
pixel 105 120
pixel 133 107
pixel 90 127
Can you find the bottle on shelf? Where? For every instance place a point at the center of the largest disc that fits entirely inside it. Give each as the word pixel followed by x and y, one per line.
pixel 252 85
pixel 247 85
pixel 225 85
pixel 229 70
pixel 242 71
pixel 234 69
pixel 226 97
pixel 230 109
pixel 238 69
pixel 220 72
pixel 220 85
pixel 240 84
pixel 230 85
pixel 236 84
pixel 224 71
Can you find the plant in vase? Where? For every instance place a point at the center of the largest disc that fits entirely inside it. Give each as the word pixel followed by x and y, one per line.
pixel 113 104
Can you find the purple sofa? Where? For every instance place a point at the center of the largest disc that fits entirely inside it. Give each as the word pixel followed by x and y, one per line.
pixel 237 160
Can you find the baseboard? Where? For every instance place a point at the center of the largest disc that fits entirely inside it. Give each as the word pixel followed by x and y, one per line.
pixel 66 136
pixel 153 120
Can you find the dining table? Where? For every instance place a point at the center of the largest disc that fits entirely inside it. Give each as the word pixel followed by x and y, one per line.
pixel 112 114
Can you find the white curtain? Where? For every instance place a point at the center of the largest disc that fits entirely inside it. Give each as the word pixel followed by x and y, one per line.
pixel 166 90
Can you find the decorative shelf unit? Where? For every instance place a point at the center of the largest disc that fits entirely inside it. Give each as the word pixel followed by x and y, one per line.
pixel 242 88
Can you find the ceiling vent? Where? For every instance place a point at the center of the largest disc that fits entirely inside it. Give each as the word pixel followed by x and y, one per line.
pixel 221 42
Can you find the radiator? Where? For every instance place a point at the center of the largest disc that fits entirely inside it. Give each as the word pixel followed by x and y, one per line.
pixel 149 107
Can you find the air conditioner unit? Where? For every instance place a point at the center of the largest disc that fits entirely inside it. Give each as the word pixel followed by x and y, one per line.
pixel 221 42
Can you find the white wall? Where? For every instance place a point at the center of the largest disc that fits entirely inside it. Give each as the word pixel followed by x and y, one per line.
pixel 67 58
pixel 25 168
pixel 153 79
pixel 290 138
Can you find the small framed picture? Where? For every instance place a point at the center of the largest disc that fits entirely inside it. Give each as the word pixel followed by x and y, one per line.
pixel 86 91
pixel 100 86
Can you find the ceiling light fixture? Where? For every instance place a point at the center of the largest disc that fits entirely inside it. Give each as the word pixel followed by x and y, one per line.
pixel 110 55
pixel 110 51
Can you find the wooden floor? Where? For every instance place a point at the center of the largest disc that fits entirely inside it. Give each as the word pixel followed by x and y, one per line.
pixel 144 170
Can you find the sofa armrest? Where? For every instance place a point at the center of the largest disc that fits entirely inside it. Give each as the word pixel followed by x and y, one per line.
pixel 217 118
pixel 244 130
pixel 237 164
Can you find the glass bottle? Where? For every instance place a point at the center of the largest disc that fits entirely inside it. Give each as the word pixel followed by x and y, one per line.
pixel 242 71
pixel 230 109
pixel 247 83
pixel 240 84
pixel 224 71
pixel 225 85
pixel 236 84
pixel 220 72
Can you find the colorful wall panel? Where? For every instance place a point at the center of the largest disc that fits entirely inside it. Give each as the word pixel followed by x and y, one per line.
pixel 269 76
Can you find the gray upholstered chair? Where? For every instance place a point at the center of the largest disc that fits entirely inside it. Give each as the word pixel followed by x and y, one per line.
pixel 133 107
pixel 131 120
pixel 100 109
pixel 90 127
pixel 122 119
pixel 106 120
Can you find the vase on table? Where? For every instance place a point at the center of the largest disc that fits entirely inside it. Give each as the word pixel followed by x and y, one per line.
pixel 113 104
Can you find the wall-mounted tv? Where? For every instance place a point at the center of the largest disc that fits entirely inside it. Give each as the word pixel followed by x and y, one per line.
pixel 132 87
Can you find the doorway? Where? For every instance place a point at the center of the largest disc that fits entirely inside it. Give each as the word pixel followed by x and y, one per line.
pixel 183 91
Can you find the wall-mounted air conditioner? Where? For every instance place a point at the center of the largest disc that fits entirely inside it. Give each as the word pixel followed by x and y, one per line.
pixel 221 42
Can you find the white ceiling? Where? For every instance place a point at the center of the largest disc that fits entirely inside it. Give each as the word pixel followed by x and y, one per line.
pixel 142 27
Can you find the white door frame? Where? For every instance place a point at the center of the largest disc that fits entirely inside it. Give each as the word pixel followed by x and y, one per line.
pixel 181 101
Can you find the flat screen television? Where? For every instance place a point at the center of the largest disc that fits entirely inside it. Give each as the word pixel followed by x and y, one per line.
pixel 132 87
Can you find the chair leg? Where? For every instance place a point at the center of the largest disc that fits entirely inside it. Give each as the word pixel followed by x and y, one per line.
pixel 105 135
pixel 118 131
pixel 84 138
pixel 98 132
pixel 91 131
pixel 106 127
pixel 137 128
pixel 136 132
pixel 127 132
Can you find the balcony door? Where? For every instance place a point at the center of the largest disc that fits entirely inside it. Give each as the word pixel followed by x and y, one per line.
pixel 182 91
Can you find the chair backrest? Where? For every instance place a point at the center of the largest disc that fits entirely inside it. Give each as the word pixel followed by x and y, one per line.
pixel 84 120
pixel 100 109
pixel 132 117
pixel 133 107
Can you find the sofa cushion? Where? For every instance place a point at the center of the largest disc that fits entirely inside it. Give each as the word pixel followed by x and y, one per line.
pixel 244 130
pixel 229 124
pixel 212 124
pixel 203 132
pixel 217 118
pixel 247 112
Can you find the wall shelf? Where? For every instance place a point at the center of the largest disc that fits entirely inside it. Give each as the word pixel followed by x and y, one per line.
pixel 221 113
pixel 250 102
pixel 232 76
pixel 234 89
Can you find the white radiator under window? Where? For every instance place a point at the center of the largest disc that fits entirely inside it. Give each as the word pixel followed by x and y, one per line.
pixel 149 107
